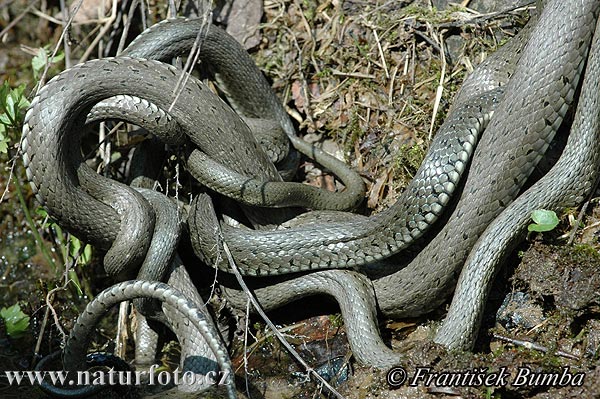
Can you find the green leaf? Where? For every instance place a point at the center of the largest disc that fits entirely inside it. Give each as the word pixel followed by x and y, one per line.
pixel 15 320
pixel 38 62
pixel 5 120
pixel 3 140
pixel 75 246
pixel 58 57
pixel 4 89
pixel 44 215
pixel 49 222
pixel 544 220
pixel 12 103
pixel 21 102
pixel 86 256
pixel 11 108
pixel 41 212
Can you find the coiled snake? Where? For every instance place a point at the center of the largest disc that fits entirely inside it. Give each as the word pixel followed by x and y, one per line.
pixel 523 91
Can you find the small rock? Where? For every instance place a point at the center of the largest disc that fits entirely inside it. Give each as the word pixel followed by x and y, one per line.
pixel 242 18
pixel 518 310
pixel 90 11
pixel 336 369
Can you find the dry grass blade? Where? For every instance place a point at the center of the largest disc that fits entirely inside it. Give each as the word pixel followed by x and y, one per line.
pixel 18 18
pixel 127 23
pixel 103 31
pixel 440 88
pixel 193 56
pixel 66 44
pixel 38 87
pixel 309 370
pixel 534 346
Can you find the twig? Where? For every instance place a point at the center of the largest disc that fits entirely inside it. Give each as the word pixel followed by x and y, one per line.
pixel 172 9
pixel 257 307
pixel 55 51
pixel 381 55
pixel 122 335
pixel 358 75
pixel 49 18
pixel 6 3
pixel 392 82
pixel 106 137
pixel 577 223
pixel 143 13
pixel 38 342
pixel 104 147
pixel 50 309
pixel 17 18
pixel 246 329
pixel 583 210
pixel 429 41
pixel 66 41
pixel 107 25
pixel 532 345
pixel 259 340
pixel 192 58
pixel 49 298
pixel 413 58
pixel 127 23
pixel 479 18
pixel 591 226
pixel 405 69
pixel 440 88
pixel 442 390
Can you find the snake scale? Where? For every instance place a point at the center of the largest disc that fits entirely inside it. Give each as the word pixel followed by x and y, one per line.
pixel 547 58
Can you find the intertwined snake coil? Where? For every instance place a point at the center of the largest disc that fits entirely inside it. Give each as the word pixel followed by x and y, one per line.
pixel 519 96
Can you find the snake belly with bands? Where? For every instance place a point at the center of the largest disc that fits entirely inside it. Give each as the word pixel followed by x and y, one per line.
pixel 515 101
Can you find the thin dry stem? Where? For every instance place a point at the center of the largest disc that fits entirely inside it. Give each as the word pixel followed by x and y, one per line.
pixel 309 370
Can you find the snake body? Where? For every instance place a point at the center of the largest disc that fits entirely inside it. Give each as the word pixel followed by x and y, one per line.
pixel 517 137
pixel 547 59
pixel 514 141
pixel 565 185
pixel 498 174
pixel 355 243
pixel 79 340
pixel 102 190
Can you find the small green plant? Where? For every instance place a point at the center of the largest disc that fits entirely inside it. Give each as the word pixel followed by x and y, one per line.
pixel 70 245
pixel 410 158
pixel 15 320
pixel 544 220
pixel 13 104
pixel 43 58
pixel 336 320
